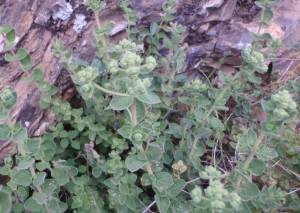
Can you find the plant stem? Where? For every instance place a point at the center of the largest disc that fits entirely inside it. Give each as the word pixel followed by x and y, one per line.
pixel 23 153
pixel 102 37
pixel 181 143
pixel 207 116
pixel 110 92
pixel 133 123
pixel 250 157
pixel 133 113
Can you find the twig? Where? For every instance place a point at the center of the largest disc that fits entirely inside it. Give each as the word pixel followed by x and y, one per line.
pixel 285 71
pixel 151 204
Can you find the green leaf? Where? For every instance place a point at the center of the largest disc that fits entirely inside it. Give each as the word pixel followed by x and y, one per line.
pixel 153 28
pixel 55 205
pixel 32 205
pixel 204 132
pixel 133 163
pixel 176 188
pixel 186 100
pixel 20 136
pixel 37 74
pixel 243 173
pixel 267 36
pixel 167 43
pixel 49 186
pixel 248 191
pixel 196 162
pixel 40 198
pixel 144 31
pixel 124 189
pixel 23 178
pixel 266 18
pixel 155 152
pixel 39 179
pixel 200 114
pixel 125 131
pixel 43 86
pixel 27 63
pixel 257 167
pixel 3 113
pixel 250 138
pixel 6 202
pixel 168 18
pixel 140 110
pixel 22 192
pixel 121 103
pixel 21 54
pixel 200 149
pixel 254 79
pixel 64 143
pixel 163 181
pixel 6 28
pixel 216 124
pixel 4 132
pixel 149 98
pixel 17 208
pixel 265 153
pixel 163 203
pixel 10 58
pixel 25 163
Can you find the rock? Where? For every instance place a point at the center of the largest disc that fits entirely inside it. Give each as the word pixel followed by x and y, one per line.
pixel 225 30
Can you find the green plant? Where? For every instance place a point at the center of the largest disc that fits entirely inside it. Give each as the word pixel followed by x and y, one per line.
pixel 142 133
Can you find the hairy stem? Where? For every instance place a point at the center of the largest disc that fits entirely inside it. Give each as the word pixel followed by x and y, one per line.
pixel 182 141
pixel 133 123
pixel 250 157
pixel 207 116
pixel 102 37
pixel 110 92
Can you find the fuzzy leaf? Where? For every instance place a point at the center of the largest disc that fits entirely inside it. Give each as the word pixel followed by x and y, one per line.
pixel 149 98
pixel 176 188
pixel 133 163
pixel 32 205
pixel 163 181
pixel 265 153
pixel 23 178
pixel 248 191
pixel 4 132
pixel 257 167
pixel 163 203
pixel 121 103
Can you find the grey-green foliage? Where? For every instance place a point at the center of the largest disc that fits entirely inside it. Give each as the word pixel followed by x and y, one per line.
pixel 140 135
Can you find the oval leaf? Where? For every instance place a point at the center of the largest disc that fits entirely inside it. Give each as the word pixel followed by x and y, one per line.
pixel 121 103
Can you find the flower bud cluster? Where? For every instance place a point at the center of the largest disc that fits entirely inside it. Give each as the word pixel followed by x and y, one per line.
pixel 210 172
pixel 255 59
pixel 113 66
pixel 196 85
pixel 125 44
pixel 196 194
pixel 7 95
pixel 140 87
pixel 216 192
pixel 137 136
pixel 87 74
pixel 130 59
pixel 86 87
pixel 284 104
pixel 150 63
